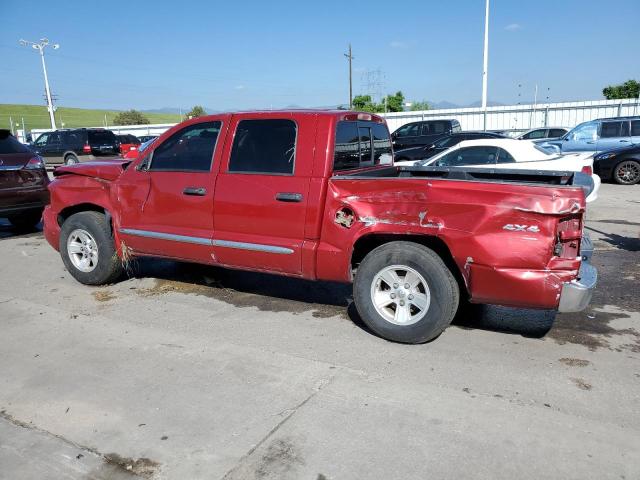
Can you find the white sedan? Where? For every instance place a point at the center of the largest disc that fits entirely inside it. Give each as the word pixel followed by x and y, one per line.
pixel 511 154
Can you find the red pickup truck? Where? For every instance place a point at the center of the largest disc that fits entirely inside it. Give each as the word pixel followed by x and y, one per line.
pixel 314 195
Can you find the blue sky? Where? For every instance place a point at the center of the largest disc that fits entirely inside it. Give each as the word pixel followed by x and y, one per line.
pixel 258 54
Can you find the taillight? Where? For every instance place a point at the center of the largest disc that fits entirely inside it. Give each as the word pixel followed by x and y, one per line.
pixel 86 148
pixel 588 169
pixel 35 163
pixel 569 234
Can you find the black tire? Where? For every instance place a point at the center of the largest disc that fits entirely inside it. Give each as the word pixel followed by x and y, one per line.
pixel 443 289
pixel 71 160
pixel 108 267
pixel 26 220
pixel 627 172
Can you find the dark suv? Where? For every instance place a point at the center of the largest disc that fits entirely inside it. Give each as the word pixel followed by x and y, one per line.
pixel 423 133
pixel 76 145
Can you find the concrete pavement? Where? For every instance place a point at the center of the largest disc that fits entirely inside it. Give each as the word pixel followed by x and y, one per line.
pixel 187 372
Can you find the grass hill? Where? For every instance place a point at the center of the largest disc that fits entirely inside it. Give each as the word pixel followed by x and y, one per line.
pixel 36 116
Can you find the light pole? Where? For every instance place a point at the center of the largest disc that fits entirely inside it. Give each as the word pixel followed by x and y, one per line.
pixel 44 42
pixel 485 63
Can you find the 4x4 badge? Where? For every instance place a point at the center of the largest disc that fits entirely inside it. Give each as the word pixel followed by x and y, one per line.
pixel 514 227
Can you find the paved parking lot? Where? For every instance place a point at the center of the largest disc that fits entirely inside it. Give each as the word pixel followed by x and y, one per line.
pixel 185 372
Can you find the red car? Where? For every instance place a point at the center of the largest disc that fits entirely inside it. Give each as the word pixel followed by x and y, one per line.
pixel 23 183
pixel 128 143
pixel 314 195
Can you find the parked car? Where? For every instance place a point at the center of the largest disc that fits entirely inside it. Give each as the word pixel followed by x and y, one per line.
pixel 146 138
pixel 599 135
pixel 441 144
pixel 23 183
pixel 543 133
pixel 131 154
pixel 76 145
pixel 418 240
pixel 511 154
pixel 621 165
pixel 128 142
pixel 422 133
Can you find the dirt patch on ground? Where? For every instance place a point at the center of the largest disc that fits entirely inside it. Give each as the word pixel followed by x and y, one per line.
pixel 617 285
pixel 581 384
pixel 140 466
pixel 575 362
pixel 265 292
pixel 280 458
pixel 104 295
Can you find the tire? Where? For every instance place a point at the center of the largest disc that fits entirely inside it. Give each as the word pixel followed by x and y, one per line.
pixel 71 160
pixel 102 268
pixel 627 172
pixel 26 220
pixel 437 286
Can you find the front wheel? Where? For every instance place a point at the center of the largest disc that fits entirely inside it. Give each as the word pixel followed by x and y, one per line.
pixel 404 292
pixel 627 172
pixel 87 249
pixel 71 160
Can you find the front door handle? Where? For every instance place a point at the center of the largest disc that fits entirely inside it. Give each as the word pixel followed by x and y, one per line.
pixel 197 191
pixel 288 197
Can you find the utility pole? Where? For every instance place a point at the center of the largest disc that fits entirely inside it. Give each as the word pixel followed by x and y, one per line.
pixel 350 58
pixel 44 42
pixel 485 64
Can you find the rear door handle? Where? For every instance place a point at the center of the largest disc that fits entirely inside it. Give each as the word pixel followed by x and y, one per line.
pixel 288 197
pixel 197 191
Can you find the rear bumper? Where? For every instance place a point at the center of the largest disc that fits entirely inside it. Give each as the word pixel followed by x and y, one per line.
pixel 576 294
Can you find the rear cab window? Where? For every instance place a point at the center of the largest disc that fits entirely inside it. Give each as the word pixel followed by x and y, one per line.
pixel 101 137
pixel 361 144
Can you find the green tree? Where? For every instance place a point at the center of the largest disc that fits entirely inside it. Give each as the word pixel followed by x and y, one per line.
pixel 391 103
pixel 628 89
pixel 394 103
pixel 364 103
pixel 130 117
pixel 196 111
pixel 417 106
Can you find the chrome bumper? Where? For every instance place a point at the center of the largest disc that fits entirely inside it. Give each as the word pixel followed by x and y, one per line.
pixel 576 294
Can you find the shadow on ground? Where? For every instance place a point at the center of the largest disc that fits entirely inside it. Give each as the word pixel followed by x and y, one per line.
pixel 9 231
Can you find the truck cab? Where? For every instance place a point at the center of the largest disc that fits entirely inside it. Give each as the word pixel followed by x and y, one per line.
pixel 314 195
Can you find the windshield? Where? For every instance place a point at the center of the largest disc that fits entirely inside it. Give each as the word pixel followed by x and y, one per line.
pixel 144 146
pixel 446 141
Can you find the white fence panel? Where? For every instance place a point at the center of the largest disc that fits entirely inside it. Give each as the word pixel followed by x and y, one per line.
pixel 522 117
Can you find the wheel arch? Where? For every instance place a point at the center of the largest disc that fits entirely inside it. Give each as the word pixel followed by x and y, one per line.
pixel 369 242
pixel 84 207
pixel 69 153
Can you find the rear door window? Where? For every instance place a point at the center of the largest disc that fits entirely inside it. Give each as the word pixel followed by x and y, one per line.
pixel 556 132
pixel 264 146
pixel 611 130
pixel 101 137
pixel 189 150
pixel 504 156
pixel 635 128
pixel 540 133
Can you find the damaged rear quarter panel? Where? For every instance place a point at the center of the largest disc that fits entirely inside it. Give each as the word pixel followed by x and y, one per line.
pixel 470 218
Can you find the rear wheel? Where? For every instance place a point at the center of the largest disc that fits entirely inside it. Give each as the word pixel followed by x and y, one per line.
pixel 71 160
pixel 26 220
pixel 627 172
pixel 87 249
pixel 405 293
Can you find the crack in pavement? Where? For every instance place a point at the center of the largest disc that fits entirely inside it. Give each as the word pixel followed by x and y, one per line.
pixel 109 459
pixel 291 411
